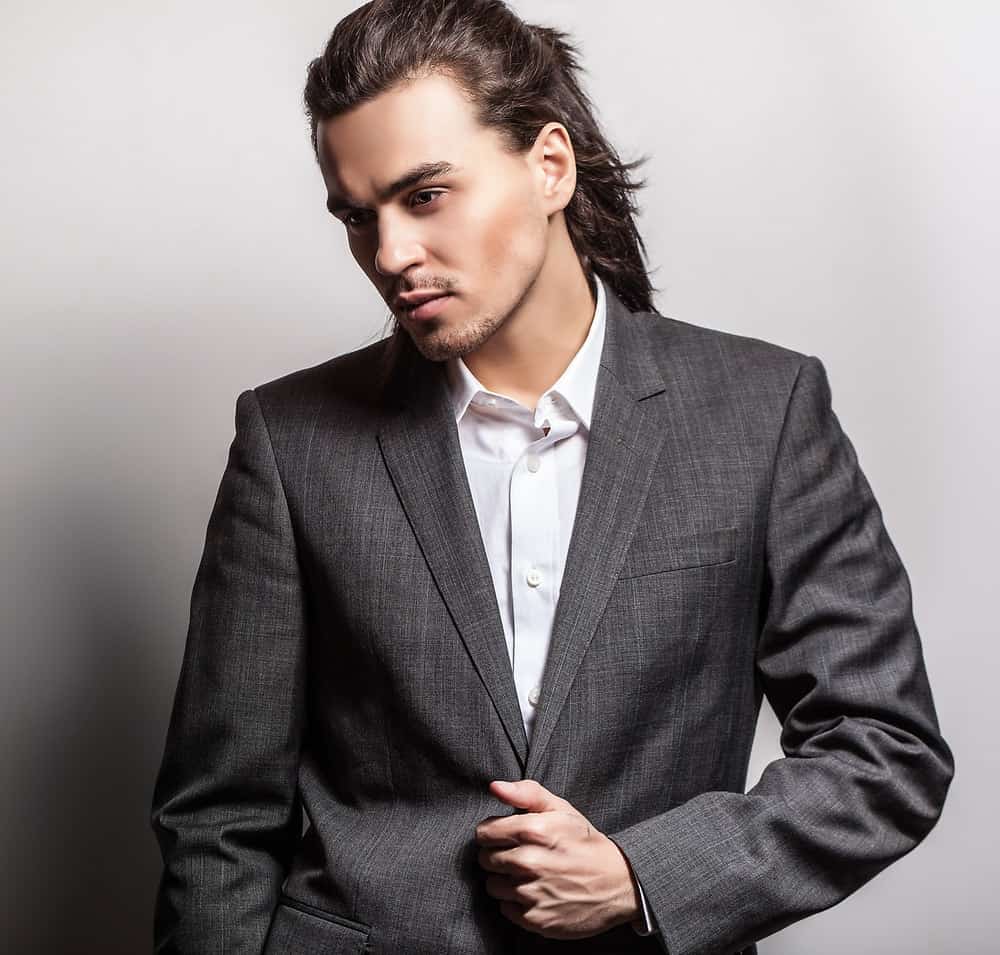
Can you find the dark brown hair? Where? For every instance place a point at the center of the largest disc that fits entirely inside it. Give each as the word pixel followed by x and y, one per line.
pixel 518 76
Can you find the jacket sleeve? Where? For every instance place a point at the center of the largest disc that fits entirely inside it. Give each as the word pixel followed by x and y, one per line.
pixel 224 808
pixel 865 770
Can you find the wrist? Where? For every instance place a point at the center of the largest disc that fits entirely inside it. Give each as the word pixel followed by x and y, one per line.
pixel 630 901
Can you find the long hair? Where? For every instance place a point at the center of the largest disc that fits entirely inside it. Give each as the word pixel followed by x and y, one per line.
pixel 518 77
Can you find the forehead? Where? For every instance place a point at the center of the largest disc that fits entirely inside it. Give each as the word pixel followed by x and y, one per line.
pixel 427 120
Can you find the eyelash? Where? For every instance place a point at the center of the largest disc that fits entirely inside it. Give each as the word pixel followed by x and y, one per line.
pixel 422 192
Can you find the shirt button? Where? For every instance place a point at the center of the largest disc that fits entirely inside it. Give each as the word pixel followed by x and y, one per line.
pixel 491 400
pixel 533 462
pixel 534 695
pixel 533 577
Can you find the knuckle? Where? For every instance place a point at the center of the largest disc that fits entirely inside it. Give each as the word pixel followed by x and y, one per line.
pixel 528 860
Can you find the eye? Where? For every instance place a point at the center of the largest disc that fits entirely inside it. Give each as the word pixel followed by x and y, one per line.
pixel 352 223
pixel 433 193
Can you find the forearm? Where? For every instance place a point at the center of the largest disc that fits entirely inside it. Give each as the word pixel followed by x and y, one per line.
pixel 727 869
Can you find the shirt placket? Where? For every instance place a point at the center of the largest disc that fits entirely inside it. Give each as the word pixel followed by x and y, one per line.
pixel 534 526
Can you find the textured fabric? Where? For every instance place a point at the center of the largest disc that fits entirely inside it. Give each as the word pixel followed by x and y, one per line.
pixel 346 664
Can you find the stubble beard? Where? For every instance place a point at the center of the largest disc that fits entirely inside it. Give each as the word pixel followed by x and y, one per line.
pixel 442 343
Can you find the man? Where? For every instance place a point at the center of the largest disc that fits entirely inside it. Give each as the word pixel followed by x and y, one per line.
pixel 494 601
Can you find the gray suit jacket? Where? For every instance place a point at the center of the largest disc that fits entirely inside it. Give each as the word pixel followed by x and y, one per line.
pixel 346 658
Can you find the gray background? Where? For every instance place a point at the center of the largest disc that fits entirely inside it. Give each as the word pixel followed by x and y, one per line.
pixel 823 176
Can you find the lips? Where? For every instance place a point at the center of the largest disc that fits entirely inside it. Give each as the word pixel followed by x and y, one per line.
pixel 411 300
pixel 428 306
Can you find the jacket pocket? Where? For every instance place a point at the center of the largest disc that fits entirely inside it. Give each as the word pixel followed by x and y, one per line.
pixel 704 547
pixel 299 928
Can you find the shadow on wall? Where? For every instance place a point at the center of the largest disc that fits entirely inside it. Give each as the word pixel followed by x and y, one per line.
pixel 89 717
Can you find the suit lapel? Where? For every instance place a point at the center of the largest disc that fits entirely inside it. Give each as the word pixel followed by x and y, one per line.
pixel 623 447
pixel 421 448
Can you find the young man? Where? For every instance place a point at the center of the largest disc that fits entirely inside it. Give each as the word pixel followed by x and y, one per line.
pixel 494 601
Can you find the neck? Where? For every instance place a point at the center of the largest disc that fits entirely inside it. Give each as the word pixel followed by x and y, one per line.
pixel 535 345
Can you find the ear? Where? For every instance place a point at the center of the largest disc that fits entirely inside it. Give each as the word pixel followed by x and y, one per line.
pixel 555 167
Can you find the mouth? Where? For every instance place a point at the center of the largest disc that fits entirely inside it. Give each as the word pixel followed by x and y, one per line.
pixel 428 308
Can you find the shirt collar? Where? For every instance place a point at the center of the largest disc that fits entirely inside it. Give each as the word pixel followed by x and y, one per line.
pixel 576 385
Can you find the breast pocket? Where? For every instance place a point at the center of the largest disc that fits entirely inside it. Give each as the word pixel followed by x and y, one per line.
pixel 302 929
pixel 703 547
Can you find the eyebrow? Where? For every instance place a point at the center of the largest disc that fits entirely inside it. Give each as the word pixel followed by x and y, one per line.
pixel 416 176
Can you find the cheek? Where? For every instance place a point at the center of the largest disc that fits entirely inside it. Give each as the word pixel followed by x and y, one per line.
pixel 512 239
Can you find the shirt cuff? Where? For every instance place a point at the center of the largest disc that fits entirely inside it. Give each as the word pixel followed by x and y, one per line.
pixel 649 926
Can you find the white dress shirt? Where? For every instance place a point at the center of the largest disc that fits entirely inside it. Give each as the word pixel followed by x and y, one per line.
pixel 525 467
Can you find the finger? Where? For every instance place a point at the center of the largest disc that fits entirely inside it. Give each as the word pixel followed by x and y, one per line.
pixel 510 890
pixel 520 863
pixel 534 828
pixel 498 840
pixel 493 860
pixel 490 830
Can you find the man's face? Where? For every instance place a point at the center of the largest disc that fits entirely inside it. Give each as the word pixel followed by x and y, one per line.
pixel 477 231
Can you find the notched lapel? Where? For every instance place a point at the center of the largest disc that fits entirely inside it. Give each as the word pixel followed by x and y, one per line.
pixel 421 448
pixel 626 435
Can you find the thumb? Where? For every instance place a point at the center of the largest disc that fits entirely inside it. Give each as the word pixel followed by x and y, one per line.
pixel 530 795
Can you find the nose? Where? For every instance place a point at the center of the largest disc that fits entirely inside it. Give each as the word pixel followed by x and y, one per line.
pixel 398 248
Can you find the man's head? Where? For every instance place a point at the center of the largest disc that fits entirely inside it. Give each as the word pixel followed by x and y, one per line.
pixel 501 174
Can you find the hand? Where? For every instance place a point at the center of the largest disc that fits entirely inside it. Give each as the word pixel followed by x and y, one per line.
pixel 553 872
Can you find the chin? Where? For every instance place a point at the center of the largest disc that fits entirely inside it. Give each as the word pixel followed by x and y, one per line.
pixel 444 343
